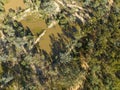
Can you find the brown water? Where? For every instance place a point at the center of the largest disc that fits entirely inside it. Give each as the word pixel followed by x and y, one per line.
pixel 14 4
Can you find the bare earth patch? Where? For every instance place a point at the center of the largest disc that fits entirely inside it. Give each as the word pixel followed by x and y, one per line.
pixel 14 4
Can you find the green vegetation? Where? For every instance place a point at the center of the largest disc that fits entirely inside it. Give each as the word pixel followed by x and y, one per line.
pixel 84 41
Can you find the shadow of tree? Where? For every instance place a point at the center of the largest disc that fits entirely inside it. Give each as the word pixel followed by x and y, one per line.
pixel 69 32
pixel 28 31
pixel 41 75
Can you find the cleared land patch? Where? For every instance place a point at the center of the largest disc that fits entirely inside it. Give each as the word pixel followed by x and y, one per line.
pixel 45 42
pixel 34 22
pixel 14 4
pixel 37 25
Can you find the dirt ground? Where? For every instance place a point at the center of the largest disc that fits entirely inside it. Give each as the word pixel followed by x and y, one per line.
pixel 36 25
pixel 14 4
